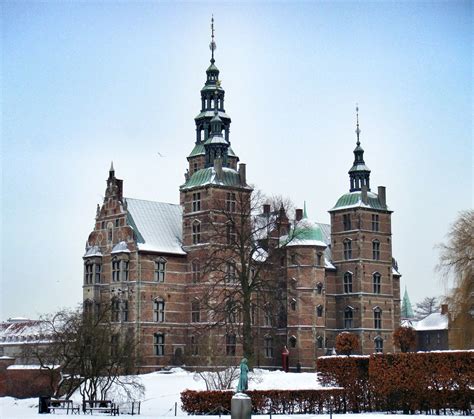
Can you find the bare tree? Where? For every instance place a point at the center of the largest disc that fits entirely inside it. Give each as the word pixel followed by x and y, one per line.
pixel 243 261
pixel 456 265
pixel 425 307
pixel 93 353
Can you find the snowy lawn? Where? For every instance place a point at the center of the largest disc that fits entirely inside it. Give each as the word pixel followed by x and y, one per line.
pixel 163 391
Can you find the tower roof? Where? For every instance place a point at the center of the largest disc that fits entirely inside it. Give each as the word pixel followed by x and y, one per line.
pixel 407 310
pixel 359 173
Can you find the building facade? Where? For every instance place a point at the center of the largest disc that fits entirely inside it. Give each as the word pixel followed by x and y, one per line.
pixel 149 261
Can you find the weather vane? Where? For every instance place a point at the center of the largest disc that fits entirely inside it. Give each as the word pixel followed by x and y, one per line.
pixel 357 129
pixel 212 45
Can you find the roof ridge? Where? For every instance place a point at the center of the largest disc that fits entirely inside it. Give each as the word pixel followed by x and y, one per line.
pixel 156 202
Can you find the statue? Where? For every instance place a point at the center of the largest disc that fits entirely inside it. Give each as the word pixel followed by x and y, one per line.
pixel 243 379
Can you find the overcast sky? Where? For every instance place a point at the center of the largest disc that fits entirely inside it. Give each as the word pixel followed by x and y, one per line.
pixel 84 83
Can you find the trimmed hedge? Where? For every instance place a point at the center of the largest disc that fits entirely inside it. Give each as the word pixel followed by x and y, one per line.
pixel 422 382
pixel 425 382
pixel 266 401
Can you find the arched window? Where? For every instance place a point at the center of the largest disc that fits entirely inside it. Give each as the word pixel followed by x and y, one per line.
pixel 376 282
pixel 293 304
pixel 319 342
pixel 319 288
pixel 268 346
pixel 196 234
pixel 376 250
pixel 319 310
pixel 378 341
pixel 292 342
pixel 160 270
pixel 196 271
pixel 348 318
pixel 159 310
pixel 348 282
pixel 347 249
pixel 195 311
pixel 377 318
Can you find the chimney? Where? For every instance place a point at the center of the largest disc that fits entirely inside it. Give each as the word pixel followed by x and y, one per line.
pixel 299 214
pixel 218 167
pixel 266 209
pixel 243 174
pixel 365 198
pixel 382 196
pixel 444 309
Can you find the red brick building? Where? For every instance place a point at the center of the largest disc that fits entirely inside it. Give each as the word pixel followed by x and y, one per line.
pixel 147 259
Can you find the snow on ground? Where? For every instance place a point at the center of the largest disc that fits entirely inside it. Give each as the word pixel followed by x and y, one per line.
pixel 163 391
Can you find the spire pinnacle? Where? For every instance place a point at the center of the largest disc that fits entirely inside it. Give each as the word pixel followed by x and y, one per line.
pixel 212 45
pixel 112 166
pixel 305 214
pixel 357 131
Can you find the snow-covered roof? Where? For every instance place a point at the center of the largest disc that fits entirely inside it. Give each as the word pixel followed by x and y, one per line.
pixel 434 321
pixel 121 247
pixel 19 331
pixel 158 225
pixel 93 251
pixel 305 242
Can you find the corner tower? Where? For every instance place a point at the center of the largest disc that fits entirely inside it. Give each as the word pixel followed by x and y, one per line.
pixel 364 297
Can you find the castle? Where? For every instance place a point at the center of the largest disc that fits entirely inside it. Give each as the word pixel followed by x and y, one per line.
pixel 150 261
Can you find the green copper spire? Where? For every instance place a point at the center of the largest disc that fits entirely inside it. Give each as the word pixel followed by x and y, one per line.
pixel 407 310
pixel 305 214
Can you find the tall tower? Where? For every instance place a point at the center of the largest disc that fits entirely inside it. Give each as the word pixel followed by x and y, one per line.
pixel 364 295
pixel 214 189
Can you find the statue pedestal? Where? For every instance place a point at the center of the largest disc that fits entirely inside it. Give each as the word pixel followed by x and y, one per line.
pixel 241 406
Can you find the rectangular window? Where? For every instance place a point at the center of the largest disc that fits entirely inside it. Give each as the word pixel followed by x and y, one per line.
pixel 159 311
pixel 196 201
pixel 194 346
pixel 347 249
pixel 98 269
pixel 88 267
pixel 117 222
pixel 267 316
pixel 196 271
pixel 230 342
pixel 159 344
pixel 124 266
pixel 196 232
pixel 377 319
pixel 231 234
pixel 115 310
pixel 125 311
pixel 195 312
pixel 346 219
pixel 115 270
pixel 230 273
pixel 114 343
pixel 348 318
pixel 376 250
pixel 377 283
pixel 160 270
pixel 375 222
pixel 268 347
pixel 231 202
pixel 347 282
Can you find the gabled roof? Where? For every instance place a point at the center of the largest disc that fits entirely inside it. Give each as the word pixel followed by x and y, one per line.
pixel 434 321
pixel 157 225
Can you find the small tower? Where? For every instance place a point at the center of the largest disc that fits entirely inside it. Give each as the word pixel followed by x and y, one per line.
pixel 359 173
pixel 407 310
pixel 364 294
